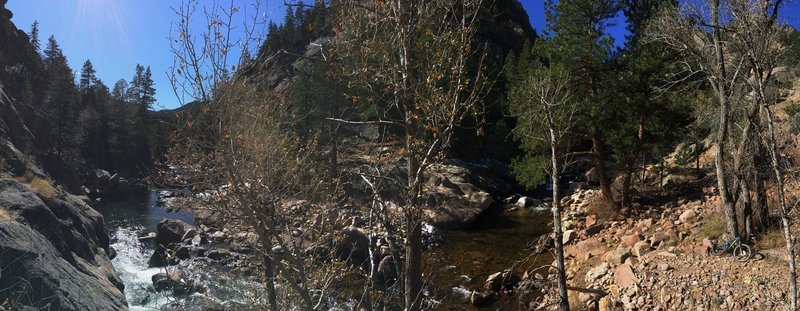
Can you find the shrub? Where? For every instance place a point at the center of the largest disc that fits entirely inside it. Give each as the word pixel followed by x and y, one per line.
pixel 792 108
pixel 794 123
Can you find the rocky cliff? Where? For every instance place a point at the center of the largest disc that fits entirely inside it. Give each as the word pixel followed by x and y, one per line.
pixel 54 248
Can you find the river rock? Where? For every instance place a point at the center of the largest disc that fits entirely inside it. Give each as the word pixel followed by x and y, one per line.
pixel 161 257
pixel 525 201
pixel 174 281
pixel 504 280
pixel 455 205
pixel 112 253
pixel 217 235
pixel 199 240
pixel 352 244
pixel 386 272
pixel 189 234
pixel 218 254
pixel 170 231
pixel 481 298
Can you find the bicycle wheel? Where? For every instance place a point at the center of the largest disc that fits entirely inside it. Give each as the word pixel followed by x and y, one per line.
pixel 742 252
pixel 718 249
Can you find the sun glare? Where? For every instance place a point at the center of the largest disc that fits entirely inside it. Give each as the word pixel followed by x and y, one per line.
pixel 101 23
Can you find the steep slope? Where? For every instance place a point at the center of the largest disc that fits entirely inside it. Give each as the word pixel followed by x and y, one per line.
pixel 54 248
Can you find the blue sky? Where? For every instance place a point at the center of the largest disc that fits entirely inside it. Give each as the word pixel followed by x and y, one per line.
pixel 114 34
pixel 117 34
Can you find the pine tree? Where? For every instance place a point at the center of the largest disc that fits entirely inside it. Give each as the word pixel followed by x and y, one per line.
pixel 141 95
pixel 35 36
pixel 88 77
pixel 579 30
pixel 59 104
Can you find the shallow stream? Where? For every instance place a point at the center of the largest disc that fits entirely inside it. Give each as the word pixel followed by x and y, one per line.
pixel 460 261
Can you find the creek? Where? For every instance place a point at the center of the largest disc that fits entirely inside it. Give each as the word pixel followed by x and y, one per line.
pixel 132 221
pixel 128 220
pixel 458 262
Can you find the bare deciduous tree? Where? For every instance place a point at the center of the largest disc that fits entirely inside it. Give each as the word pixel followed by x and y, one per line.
pixel 736 45
pixel 239 142
pixel 758 33
pixel 541 102
pixel 412 63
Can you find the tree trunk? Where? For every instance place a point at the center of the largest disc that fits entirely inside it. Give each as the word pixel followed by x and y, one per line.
pixel 269 272
pixel 747 208
pixel 556 210
pixel 722 94
pixel 760 175
pixel 697 158
pixel 785 221
pixel 413 279
pixel 629 165
pixel 600 166
pixel 626 186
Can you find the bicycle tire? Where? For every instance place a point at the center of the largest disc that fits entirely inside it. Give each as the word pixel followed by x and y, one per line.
pixel 742 252
pixel 718 250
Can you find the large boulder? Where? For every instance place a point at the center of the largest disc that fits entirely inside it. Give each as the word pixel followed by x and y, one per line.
pixel 352 244
pixel 54 252
pixel 455 205
pixel 453 201
pixel 170 231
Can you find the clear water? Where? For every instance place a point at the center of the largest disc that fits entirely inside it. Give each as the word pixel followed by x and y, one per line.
pixel 127 220
pixel 500 239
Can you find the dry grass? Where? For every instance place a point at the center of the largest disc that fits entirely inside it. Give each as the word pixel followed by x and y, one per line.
pixel 5 214
pixel 27 178
pixel 713 228
pixel 773 238
pixel 596 205
pixel 43 188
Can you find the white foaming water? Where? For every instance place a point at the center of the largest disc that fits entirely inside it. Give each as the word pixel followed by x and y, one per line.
pixel 131 264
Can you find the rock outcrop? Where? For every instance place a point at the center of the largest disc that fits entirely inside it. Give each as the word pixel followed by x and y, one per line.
pixel 54 253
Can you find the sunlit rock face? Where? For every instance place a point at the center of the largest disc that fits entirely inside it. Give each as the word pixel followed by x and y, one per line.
pixel 54 252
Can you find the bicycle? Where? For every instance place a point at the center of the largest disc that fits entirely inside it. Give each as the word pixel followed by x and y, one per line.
pixel 740 250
